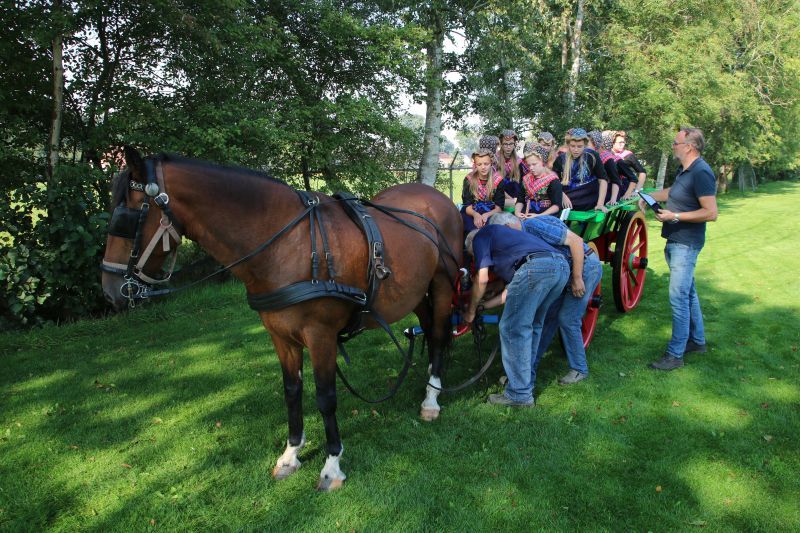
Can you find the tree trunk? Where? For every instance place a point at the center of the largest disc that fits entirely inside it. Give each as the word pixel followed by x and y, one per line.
pixel 722 178
pixel 429 162
pixel 58 104
pixel 662 170
pixel 505 95
pixel 565 39
pixel 305 171
pixel 576 58
pixel 740 172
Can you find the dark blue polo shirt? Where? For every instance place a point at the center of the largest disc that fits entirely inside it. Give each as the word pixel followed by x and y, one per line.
pixel 500 247
pixel 553 231
pixel 690 184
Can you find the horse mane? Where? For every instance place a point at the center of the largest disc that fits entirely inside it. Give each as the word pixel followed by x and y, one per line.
pixel 183 160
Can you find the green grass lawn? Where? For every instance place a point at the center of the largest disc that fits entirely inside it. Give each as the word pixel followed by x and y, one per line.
pixel 171 417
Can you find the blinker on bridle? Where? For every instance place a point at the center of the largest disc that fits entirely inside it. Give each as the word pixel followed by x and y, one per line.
pixel 128 223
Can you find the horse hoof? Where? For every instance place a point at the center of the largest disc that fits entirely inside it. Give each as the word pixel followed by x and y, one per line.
pixel 429 415
pixel 284 471
pixel 329 485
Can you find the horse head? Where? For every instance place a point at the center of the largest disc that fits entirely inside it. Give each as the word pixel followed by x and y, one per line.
pixel 142 233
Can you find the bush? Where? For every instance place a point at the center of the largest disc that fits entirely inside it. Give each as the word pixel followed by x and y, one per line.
pixel 50 255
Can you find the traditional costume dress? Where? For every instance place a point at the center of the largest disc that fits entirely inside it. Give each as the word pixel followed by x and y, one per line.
pixel 609 161
pixel 511 186
pixel 583 186
pixel 624 170
pixel 538 194
pixel 481 201
pixel 629 167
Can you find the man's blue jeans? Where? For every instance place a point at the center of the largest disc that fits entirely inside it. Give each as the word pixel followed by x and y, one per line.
pixel 566 314
pixel 535 286
pixel 687 318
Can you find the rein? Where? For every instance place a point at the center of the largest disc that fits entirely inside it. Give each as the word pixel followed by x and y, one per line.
pixel 136 282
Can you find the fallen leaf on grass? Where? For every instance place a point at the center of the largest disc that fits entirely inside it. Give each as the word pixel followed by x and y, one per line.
pixel 658 488
pixel 768 438
pixel 676 404
pixel 157 420
pixel 153 522
pixel 698 523
pixel 622 374
pixel 375 413
pixel 742 412
pixel 354 412
pixel 620 420
pixel 73 447
pixel 126 465
pixel 765 405
pixel 218 424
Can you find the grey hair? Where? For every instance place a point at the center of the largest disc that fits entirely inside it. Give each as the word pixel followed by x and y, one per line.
pixel 468 241
pixel 505 218
pixel 694 137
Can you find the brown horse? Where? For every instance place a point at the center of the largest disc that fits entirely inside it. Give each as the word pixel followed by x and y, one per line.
pixel 230 212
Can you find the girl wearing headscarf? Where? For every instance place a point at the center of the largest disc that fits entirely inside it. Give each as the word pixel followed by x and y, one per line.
pixel 620 148
pixel 541 189
pixel 483 193
pixel 627 175
pixel 609 161
pixel 547 140
pixel 510 167
pixel 490 142
pixel 582 174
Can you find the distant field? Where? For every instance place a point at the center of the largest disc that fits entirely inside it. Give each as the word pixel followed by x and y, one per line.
pixel 172 417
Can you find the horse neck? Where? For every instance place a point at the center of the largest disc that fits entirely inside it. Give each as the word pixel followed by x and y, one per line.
pixel 228 213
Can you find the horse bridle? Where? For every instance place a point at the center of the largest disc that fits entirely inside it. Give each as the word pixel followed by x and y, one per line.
pixel 128 223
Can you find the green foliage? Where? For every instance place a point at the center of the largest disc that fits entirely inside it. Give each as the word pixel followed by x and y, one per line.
pixel 729 68
pixel 309 90
pixel 49 261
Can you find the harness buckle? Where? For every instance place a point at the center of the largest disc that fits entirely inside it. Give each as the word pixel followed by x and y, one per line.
pixel 382 272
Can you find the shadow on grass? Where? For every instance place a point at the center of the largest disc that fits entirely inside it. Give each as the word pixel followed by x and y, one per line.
pixel 124 420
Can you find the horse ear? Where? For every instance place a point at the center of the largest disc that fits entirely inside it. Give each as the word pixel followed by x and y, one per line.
pixel 135 163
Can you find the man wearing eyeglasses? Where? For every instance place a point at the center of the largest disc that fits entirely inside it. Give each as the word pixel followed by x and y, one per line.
pixel 690 203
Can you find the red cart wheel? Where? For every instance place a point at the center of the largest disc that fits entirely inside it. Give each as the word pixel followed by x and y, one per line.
pixel 630 262
pixel 592 310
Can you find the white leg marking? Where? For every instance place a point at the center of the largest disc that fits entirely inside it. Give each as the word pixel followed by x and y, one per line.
pixel 430 406
pixel 331 477
pixel 288 463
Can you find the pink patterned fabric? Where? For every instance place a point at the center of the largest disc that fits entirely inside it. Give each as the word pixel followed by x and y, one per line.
pixel 536 188
pixel 482 191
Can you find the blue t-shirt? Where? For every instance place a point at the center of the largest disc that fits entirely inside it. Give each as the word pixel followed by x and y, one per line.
pixel 500 247
pixel 552 231
pixel 690 184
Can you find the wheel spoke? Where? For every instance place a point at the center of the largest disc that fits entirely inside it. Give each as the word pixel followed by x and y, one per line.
pixel 635 233
pixel 636 248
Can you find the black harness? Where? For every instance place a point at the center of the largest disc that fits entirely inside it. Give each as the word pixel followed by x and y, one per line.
pixel 128 223
pixel 302 291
